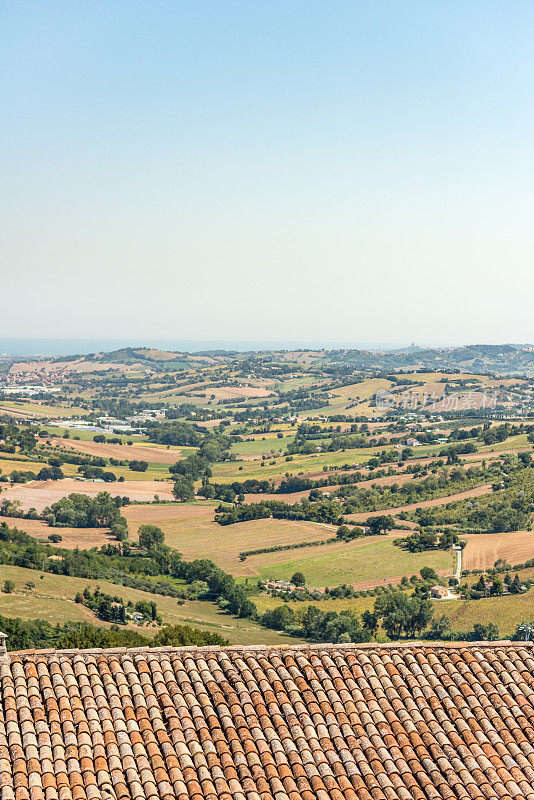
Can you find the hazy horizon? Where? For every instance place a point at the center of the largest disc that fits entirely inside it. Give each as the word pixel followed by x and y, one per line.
pixel 60 346
pixel 343 172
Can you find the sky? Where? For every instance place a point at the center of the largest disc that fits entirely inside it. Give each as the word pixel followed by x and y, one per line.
pixel 288 170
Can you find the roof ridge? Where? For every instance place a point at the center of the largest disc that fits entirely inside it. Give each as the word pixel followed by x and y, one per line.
pixel 265 648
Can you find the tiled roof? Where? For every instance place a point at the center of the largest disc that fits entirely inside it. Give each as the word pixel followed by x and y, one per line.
pixel 326 722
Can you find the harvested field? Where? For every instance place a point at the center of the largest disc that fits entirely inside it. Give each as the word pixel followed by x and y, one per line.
pixel 478 491
pixel 38 494
pixel 138 451
pixel 191 529
pixel 84 538
pixel 484 549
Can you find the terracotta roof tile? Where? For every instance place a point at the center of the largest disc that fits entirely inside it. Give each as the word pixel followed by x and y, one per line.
pixel 323 722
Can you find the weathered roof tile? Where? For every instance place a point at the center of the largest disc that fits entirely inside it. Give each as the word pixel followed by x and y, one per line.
pixel 322 722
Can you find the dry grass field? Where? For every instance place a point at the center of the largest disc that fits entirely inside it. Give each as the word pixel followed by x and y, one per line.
pixel 191 529
pixel 484 549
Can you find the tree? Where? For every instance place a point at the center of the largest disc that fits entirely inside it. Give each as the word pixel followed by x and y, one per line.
pixel 370 621
pixel 515 586
pixel 183 489
pixel 9 586
pixel 402 614
pixel 139 466
pixel 53 473
pixel 440 628
pixel 150 536
pixel 428 574
pixel 120 532
pixel 496 586
pixel 278 618
pixel 380 524
pixel 298 579
pixel 489 632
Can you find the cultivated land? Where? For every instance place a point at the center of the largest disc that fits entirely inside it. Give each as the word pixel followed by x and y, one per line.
pixel 141 451
pixel 365 562
pixel 484 550
pixel 71 538
pixel 478 491
pixel 191 529
pixel 265 407
pixel 506 612
pixel 38 494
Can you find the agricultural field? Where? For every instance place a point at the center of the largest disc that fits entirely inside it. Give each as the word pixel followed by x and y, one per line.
pixel 41 409
pixel 264 445
pixel 275 402
pixel 478 491
pixel 506 612
pixel 363 563
pixel 142 451
pixel 71 538
pixel 483 550
pixel 38 494
pixel 191 529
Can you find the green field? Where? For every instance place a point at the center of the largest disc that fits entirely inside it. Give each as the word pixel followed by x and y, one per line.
pixel 352 563
pixel 7 465
pixel 52 599
pixel 262 446
pixel 513 442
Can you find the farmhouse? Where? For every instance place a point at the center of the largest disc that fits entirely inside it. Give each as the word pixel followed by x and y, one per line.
pixel 307 722
pixel 281 586
pixel 442 593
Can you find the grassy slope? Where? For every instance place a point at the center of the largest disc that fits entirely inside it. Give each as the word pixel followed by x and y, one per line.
pixel 52 599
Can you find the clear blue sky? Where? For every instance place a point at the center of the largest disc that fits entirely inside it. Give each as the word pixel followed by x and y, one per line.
pixel 340 171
